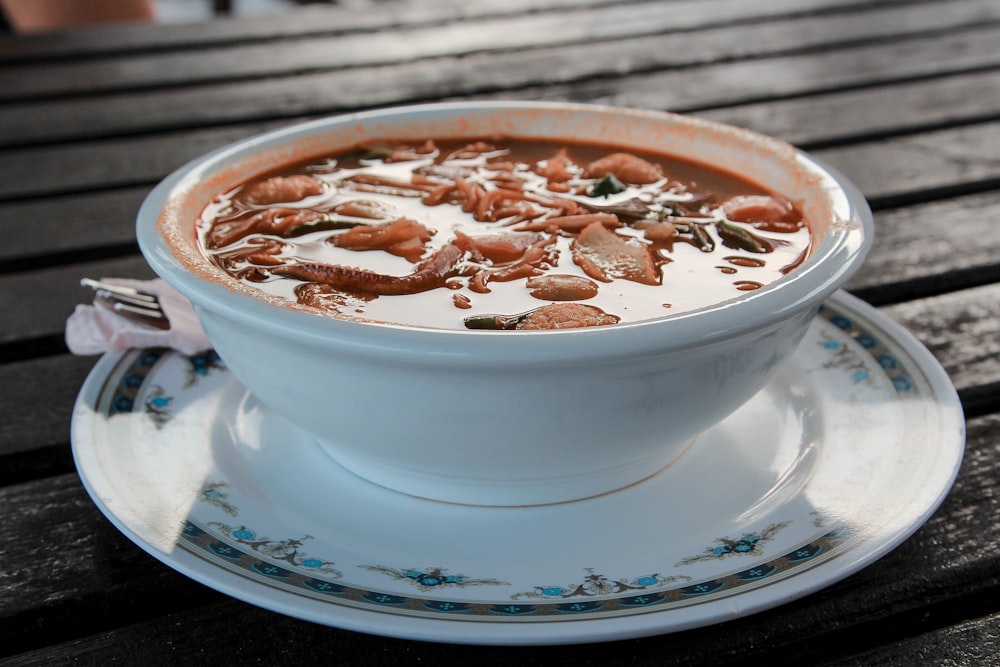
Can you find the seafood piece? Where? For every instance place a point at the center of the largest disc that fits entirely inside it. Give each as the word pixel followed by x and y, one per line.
pixel 498 248
pixel 626 167
pixel 566 316
pixel 764 212
pixel 471 151
pixel 385 186
pixel 556 169
pixel 277 221
pixel 430 274
pixel 363 208
pixel 658 232
pixel 281 189
pixel 570 223
pixel 604 256
pixel 552 316
pixel 326 298
pixel 258 251
pixel 513 256
pixel 401 153
pixel 403 238
pixel 561 287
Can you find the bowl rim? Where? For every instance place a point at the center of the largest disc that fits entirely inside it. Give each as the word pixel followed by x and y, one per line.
pixel 831 263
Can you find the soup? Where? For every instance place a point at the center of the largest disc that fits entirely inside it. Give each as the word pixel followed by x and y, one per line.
pixel 503 234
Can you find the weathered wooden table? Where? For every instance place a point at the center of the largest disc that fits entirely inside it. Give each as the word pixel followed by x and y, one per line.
pixel 903 97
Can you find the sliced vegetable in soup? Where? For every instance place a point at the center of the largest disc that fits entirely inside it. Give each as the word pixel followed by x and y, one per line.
pixel 503 234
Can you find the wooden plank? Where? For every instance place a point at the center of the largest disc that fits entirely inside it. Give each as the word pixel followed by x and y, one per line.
pixel 961 329
pixel 932 248
pixel 922 166
pixel 928 579
pixel 38 394
pixel 620 23
pixel 92 574
pixel 976 641
pixel 587 73
pixel 104 41
pixel 118 163
pixel 72 224
pixel 36 463
pixel 725 84
pixel 38 399
pixel 922 248
pixel 110 40
pixel 37 303
pixel 870 113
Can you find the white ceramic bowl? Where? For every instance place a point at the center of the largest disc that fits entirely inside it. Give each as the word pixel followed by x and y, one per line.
pixel 508 418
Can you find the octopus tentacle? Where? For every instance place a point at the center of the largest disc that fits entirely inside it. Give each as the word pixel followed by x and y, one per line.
pixel 430 274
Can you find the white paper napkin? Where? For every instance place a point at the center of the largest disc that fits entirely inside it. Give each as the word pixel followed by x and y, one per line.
pixel 94 330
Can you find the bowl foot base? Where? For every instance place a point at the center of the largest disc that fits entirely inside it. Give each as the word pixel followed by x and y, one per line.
pixel 503 492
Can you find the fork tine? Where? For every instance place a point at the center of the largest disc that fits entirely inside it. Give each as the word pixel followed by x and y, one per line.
pixel 118 290
pixel 129 303
pixel 151 316
pixel 137 300
pixel 152 313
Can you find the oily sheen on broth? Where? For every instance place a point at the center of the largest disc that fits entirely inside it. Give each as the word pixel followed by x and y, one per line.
pixel 503 234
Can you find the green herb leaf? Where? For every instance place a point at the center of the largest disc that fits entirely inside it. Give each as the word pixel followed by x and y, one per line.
pixel 734 236
pixel 609 185
pixel 703 239
pixel 380 153
pixel 495 322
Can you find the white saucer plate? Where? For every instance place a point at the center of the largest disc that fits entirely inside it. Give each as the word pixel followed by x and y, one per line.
pixel 838 460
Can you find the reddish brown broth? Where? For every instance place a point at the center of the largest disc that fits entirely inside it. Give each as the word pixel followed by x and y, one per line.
pixel 503 234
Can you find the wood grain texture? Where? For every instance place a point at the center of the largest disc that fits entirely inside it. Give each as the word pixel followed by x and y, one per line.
pixel 978 639
pixel 969 321
pixel 639 25
pixel 71 224
pixel 871 113
pixel 659 69
pixel 102 41
pixel 932 248
pixel 92 574
pixel 112 40
pixel 112 164
pixel 771 79
pixel 37 303
pixel 38 399
pixel 924 166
